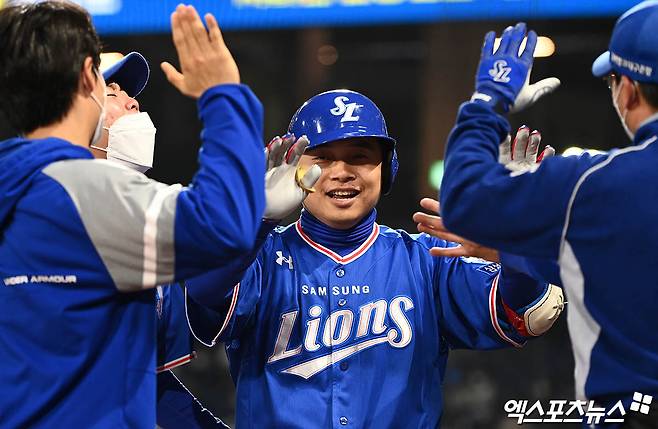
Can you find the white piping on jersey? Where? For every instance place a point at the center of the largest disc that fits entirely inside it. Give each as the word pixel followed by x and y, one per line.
pixel 227 319
pixel 150 238
pixel 353 256
pixel 493 313
pixel 308 369
pixel 591 170
pixel 584 331
pixel 580 322
pixel 175 363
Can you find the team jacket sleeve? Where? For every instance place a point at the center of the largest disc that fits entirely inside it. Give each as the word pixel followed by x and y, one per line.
pixel 469 299
pixel 147 233
pixel 523 214
pixel 174 338
pixel 539 268
pixel 210 289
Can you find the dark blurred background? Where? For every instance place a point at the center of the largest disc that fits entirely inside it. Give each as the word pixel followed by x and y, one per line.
pixel 418 73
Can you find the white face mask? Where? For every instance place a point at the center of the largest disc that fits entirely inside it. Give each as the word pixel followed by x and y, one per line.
pixel 101 118
pixel 622 118
pixel 132 141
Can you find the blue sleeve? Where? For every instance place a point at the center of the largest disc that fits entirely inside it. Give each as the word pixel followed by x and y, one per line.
pixel 174 338
pixel 468 295
pixel 542 269
pixel 218 216
pixel 522 214
pixel 211 288
pixel 229 320
pixel 177 408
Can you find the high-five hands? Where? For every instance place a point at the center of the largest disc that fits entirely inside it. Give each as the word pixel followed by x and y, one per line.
pixel 521 155
pixel 433 225
pixel 204 58
pixel 503 76
pixel 285 190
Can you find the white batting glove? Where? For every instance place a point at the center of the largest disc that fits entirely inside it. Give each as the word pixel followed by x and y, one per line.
pixel 531 93
pixel 521 156
pixel 284 190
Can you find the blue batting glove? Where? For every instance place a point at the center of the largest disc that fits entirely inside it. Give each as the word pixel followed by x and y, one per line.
pixel 503 74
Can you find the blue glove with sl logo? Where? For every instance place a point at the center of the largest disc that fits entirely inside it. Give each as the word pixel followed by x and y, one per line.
pixel 503 77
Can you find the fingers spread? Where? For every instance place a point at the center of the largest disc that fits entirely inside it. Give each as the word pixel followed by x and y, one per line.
pixel 178 34
pixel 548 151
pixel 488 46
pixel 520 144
pixel 430 221
pixel 430 204
pixel 297 150
pixel 187 25
pixel 448 252
pixel 173 76
pixel 516 38
pixel 275 157
pixel 439 233
pixel 530 45
pixel 505 150
pixel 533 146
pixel 214 33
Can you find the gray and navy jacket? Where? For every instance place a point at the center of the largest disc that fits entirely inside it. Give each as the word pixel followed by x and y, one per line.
pixel 83 244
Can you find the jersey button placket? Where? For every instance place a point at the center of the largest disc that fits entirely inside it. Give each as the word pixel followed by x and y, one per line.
pixel 337 370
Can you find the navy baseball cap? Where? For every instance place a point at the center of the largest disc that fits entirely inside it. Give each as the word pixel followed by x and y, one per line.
pixel 633 49
pixel 131 73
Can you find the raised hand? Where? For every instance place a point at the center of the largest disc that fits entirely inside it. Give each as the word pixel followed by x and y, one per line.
pixel 503 77
pixel 433 225
pixel 285 187
pixel 204 58
pixel 521 155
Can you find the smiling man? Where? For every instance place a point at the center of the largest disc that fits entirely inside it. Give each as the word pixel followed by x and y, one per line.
pixel 340 321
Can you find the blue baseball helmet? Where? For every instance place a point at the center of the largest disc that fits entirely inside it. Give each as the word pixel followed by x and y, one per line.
pixel 343 114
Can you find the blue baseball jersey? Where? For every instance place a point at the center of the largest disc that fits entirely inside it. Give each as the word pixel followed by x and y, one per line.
pixel 319 339
pixel 83 244
pixel 591 221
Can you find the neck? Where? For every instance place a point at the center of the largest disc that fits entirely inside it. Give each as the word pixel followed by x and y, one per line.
pixel 69 128
pixel 342 241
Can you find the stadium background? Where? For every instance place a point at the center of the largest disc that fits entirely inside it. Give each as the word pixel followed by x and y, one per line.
pixel 416 60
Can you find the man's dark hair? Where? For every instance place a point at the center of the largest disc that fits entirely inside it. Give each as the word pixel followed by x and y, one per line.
pixel 42 50
pixel 650 93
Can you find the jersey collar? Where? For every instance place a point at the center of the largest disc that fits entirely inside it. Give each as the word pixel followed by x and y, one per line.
pixel 352 256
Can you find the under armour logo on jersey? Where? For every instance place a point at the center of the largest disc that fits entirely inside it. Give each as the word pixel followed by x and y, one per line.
pixel 500 72
pixel 280 259
pixel 347 110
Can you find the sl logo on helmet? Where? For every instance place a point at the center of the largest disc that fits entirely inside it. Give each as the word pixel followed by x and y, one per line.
pixel 347 110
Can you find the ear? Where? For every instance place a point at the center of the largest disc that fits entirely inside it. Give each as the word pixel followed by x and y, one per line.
pixel 630 96
pixel 88 77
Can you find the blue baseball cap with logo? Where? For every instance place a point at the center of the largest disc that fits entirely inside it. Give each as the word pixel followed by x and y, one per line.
pixel 131 73
pixel 633 49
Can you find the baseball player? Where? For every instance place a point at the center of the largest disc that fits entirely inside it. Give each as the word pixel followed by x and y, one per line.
pixel 84 242
pixel 598 232
pixel 129 140
pixel 340 321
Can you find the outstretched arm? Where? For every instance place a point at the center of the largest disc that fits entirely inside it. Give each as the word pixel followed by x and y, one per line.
pixel 520 212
